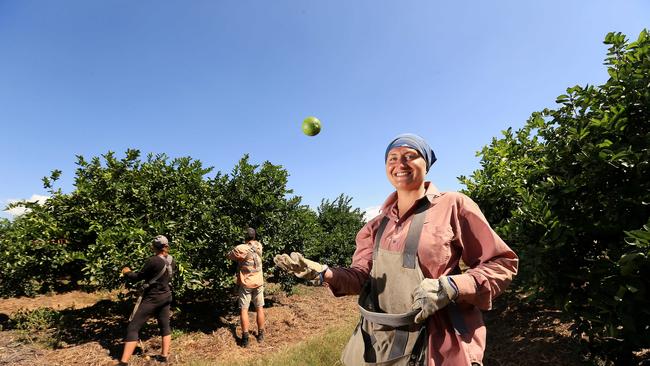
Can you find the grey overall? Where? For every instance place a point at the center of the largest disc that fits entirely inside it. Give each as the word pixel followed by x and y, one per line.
pixel 387 333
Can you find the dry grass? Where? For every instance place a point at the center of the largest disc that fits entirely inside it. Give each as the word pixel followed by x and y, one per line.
pixel 310 327
pixel 206 335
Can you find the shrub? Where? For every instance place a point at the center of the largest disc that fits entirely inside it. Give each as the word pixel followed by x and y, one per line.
pixel 569 189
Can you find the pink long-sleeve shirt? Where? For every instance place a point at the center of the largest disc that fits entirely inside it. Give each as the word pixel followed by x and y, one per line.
pixel 454 230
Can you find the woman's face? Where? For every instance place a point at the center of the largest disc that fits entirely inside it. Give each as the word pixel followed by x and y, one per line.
pixel 405 168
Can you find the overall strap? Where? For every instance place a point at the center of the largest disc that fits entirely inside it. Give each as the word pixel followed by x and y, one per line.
pixel 380 232
pixel 413 236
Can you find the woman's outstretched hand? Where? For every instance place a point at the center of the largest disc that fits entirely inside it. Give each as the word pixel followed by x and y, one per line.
pixel 300 266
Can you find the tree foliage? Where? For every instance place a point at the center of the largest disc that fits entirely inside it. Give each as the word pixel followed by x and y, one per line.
pixel 339 223
pixel 569 188
pixel 85 237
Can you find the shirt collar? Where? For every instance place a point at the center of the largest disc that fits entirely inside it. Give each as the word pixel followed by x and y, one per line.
pixel 431 192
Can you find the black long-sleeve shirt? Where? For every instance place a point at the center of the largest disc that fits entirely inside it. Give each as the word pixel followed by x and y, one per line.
pixel 149 271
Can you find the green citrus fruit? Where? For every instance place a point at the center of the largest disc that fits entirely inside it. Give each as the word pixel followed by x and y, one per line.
pixel 311 126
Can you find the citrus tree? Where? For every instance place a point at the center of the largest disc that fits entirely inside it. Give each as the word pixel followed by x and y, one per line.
pixel 83 238
pixel 570 192
pixel 339 223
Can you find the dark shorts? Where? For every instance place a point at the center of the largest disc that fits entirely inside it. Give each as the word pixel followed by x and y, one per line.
pixel 158 306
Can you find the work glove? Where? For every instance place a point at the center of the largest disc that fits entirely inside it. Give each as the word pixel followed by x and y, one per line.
pixel 300 266
pixel 431 295
pixel 124 271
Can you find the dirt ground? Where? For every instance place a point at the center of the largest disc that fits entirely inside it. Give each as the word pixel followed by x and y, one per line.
pixel 93 325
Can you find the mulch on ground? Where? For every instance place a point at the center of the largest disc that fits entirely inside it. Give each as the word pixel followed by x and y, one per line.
pixel 93 331
pixel 93 326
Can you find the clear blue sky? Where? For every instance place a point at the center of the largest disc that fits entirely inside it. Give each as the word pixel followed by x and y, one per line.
pixel 217 79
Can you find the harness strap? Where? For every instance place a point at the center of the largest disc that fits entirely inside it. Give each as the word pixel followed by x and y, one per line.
pixel 454 312
pixel 248 270
pixel 409 261
pixel 245 267
pixel 369 353
pixel 399 344
pixel 380 232
pixel 413 236
pixel 135 308
pixel 418 357
pixel 166 267
pixel 456 318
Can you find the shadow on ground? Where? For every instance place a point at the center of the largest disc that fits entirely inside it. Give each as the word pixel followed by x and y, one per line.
pixel 105 323
pixel 529 334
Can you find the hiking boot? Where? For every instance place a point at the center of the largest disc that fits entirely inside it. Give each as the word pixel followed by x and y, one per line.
pixel 244 341
pixel 161 359
pixel 260 336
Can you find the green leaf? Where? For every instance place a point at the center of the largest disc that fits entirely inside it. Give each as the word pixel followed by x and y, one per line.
pixel 605 143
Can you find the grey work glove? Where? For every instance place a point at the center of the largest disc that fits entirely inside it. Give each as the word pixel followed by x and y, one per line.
pixel 431 295
pixel 300 266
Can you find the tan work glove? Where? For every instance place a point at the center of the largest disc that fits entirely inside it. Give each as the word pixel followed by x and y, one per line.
pixel 300 266
pixel 431 295
pixel 124 271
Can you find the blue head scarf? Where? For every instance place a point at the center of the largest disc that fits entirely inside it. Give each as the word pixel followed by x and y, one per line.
pixel 414 142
